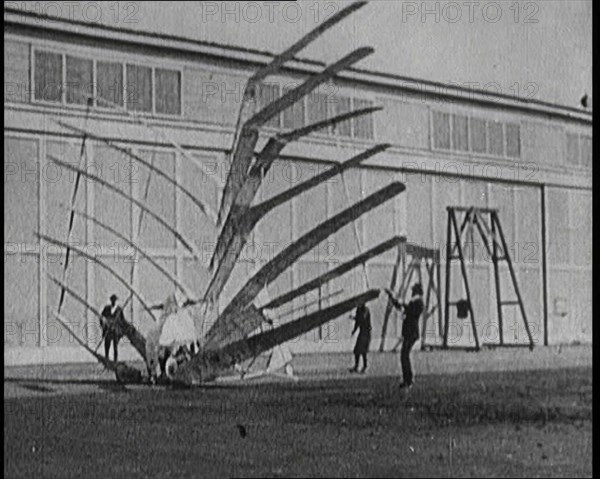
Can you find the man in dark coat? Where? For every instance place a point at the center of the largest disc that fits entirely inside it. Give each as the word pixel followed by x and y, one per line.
pixel 410 329
pixel 112 332
pixel 363 325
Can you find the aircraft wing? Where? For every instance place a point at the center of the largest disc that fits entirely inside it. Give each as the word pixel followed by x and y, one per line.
pixel 242 218
pixel 289 255
pixel 209 364
pixel 334 273
pixel 238 327
pixel 248 137
pixel 245 138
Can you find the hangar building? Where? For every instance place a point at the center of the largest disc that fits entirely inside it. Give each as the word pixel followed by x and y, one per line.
pixel 450 146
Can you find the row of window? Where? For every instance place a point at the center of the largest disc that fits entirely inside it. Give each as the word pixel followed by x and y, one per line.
pixel 470 134
pixel 579 150
pixel 69 79
pixel 316 107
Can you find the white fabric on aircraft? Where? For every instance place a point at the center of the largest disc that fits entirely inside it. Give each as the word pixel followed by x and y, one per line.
pixel 178 329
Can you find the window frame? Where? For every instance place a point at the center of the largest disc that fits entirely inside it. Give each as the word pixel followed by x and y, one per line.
pixel 433 130
pixel 470 151
pixel 123 60
pixel 452 145
pixel 370 116
pixel 489 125
pixel 520 143
pixel 590 138
pixel 579 137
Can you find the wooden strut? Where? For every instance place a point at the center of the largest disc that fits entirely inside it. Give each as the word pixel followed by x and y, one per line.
pixel 289 255
pixel 283 260
pixel 463 269
pixel 389 306
pixel 255 82
pixel 82 158
pixel 248 137
pixel 252 215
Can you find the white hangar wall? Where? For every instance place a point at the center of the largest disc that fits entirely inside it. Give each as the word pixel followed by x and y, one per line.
pixel 533 167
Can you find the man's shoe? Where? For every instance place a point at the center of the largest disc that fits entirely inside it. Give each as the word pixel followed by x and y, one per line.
pixel 405 385
pixel 363 370
pixel 353 370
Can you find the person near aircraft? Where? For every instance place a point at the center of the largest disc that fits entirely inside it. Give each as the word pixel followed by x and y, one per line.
pixel 112 332
pixel 362 324
pixel 410 329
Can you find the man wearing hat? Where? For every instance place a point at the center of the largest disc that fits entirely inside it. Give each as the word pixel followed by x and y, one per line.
pixel 410 329
pixel 112 332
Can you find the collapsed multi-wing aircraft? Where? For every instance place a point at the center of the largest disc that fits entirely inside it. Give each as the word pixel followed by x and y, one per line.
pixel 233 337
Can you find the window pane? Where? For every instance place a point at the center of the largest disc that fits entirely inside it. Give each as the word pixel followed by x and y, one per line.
pixel 441 130
pixel 48 76
pixel 268 93
pixel 586 151
pixel 363 125
pixel 460 132
pixel 168 91
pixel 109 83
pixel 478 135
pixel 572 149
pixel 341 105
pixel 293 117
pixel 513 140
pixel 79 80
pixel 496 138
pixel 316 107
pixel 139 88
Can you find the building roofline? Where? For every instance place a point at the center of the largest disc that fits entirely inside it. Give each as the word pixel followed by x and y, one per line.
pixel 25 18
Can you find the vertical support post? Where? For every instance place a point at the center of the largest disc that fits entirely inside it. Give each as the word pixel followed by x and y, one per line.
pixel 427 298
pixel 448 269
pixel 320 302
pixel 514 279
pixel 466 282
pixel 544 265
pixel 497 281
pixel 388 307
pixel 438 290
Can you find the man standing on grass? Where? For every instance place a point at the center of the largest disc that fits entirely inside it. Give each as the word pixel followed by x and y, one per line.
pixel 112 332
pixel 410 329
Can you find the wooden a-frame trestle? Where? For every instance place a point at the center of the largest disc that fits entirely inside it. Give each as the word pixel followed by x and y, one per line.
pixel 494 243
pixel 410 260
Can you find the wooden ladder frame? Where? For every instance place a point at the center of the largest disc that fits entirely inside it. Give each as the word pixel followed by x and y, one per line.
pixel 474 217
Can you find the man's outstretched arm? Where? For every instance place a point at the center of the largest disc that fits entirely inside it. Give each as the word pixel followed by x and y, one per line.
pixel 394 301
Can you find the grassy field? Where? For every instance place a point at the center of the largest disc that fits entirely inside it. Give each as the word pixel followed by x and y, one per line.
pixel 526 423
